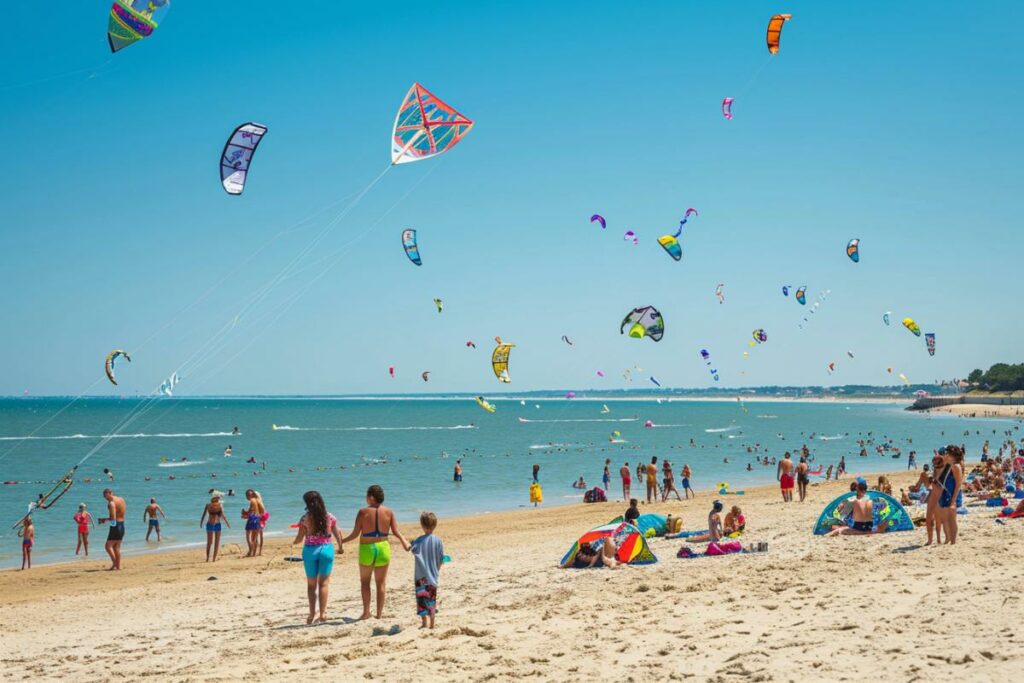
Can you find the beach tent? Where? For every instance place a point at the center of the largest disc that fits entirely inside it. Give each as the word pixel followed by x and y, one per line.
pixel 632 544
pixel 889 514
pixel 648 521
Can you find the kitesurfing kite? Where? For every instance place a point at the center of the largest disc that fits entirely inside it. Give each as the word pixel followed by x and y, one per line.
pixel 670 243
pixel 411 246
pixel 644 322
pixel 134 20
pixel 167 386
pixel 425 127
pixel 775 31
pixel 630 235
pixel 801 295
pixel 718 293
pixel 566 339
pixel 425 375
pixel 470 345
pixel 109 364
pixel 904 378
pixel 440 304
pixel 831 367
pixel 853 250
pixel 707 361
pixel 727 108
pixel 391 371
pixel 912 326
pixel 655 381
pixel 499 360
pixel 885 317
pixel 600 219
pixel 785 290
pixel 237 155
pixel 929 339
pixel 760 336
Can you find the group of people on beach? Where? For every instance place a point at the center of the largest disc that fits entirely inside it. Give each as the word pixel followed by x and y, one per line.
pixel 374 524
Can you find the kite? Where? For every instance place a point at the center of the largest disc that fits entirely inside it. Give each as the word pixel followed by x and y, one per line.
pixel 237 155
pixel 570 394
pixel 600 373
pixel 411 246
pixel 391 371
pixel 630 235
pixel 484 404
pixel 929 339
pixel 644 321
pixel 425 375
pixel 885 317
pixel 760 336
pixel 439 303
pixel 109 365
pixel 727 108
pixel 912 326
pixel 785 290
pixel 470 345
pixel 904 378
pixel 167 386
pixel 499 360
pixel 775 31
pixel 655 381
pixel 425 127
pixel 134 20
pixel 853 250
pixel 831 367
pixel 600 219
pixel 566 340
pixel 670 243
pixel 718 293
pixel 801 295
pixel 850 354
pixel 707 361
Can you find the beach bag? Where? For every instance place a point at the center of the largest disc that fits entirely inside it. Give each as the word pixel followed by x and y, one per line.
pixel 723 548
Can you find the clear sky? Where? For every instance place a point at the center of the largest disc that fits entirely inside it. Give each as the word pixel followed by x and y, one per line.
pixel 897 123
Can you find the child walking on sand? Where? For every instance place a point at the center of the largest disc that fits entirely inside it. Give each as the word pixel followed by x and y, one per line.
pixel 429 553
pixel 28 537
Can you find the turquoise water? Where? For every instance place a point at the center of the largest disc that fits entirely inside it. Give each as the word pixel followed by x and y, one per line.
pixel 341 446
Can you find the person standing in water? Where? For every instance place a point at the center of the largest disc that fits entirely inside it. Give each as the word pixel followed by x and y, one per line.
pixel 253 516
pixel 536 473
pixel 374 523
pixel 213 515
pixel 27 533
pixel 802 480
pixel 626 480
pixel 116 508
pixel 316 529
pixel 652 480
pixel 84 520
pixel 151 512
pixel 784 473
pixel 458 471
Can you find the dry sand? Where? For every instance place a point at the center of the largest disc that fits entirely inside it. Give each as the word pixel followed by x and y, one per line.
pixel 811 609
pixel 979 410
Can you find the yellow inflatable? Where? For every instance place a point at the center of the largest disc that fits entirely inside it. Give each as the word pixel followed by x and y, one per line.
pixel 536 494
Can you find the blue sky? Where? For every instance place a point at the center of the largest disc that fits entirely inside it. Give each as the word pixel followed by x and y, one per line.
pixel 892 122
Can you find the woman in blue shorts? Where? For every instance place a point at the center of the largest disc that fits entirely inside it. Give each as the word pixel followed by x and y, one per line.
pixel 316 529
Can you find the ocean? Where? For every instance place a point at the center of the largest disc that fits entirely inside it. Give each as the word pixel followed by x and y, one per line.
pixel 174 451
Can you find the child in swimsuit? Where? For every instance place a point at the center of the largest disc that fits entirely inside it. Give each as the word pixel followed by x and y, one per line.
pixel 429 553
pixel 83 519
pixel 28 537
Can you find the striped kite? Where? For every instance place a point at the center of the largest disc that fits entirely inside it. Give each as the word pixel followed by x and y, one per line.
pixel 237 155
pixel 134 20
pixel 775 31
pixel 425 127
pixel 499 360
pixel 412 249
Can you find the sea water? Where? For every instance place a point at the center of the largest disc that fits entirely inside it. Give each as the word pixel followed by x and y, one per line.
pixel 173 450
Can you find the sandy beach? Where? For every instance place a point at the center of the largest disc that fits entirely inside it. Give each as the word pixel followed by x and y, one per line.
pixel 979 410
pixel 811 608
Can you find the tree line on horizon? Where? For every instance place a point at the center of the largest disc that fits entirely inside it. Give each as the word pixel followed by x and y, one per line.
pixel 999 377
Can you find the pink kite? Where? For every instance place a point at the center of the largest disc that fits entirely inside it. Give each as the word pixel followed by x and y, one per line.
pixel 727 108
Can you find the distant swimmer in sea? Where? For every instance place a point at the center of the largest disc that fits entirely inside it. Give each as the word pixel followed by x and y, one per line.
pixel 227 451
pixel 151 512
pixel 251 460
pixel 579 484
pixel 109 472
pixel 236 431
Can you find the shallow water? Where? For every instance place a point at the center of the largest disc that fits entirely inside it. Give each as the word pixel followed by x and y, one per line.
pixel 341 446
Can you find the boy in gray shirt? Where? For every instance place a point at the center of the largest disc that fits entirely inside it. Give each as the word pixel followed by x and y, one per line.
pixel 429 553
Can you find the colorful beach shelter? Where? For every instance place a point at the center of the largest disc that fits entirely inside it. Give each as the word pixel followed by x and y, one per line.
pixel 889 514
pixel 631 543
pixel 425 127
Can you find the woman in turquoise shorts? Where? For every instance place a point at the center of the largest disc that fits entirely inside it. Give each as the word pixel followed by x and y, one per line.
pixel 374 523
pixel 316 528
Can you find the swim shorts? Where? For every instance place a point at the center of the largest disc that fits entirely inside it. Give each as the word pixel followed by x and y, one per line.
pixel 786 481
pixel 686 483
pixel 213 528
pixel 426 598
pixel 375 554
pixel 116 532
pixel 253 523
pixel 862 526
pixel 318 559
pixel 154 523
pixel 626 481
